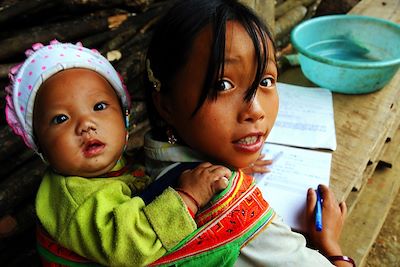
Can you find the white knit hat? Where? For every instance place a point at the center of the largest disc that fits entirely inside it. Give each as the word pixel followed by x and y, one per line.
pixel 43 62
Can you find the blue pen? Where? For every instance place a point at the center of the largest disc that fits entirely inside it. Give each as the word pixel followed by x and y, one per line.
pixel 318 212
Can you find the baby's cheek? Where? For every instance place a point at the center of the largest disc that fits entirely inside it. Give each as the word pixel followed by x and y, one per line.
pixel 59 149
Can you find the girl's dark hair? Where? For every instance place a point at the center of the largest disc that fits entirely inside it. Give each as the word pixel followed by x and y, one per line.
pixel 173 38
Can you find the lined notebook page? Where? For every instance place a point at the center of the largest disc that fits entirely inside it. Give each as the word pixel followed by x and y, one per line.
pixel 293 171
pixel 305 118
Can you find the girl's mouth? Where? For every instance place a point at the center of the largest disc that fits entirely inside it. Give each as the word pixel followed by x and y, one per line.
pixel 93 148
pixel 249 140
pixel 250 144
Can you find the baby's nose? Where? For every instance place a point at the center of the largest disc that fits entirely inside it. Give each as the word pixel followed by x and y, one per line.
pixel 86 126
pixel 89 129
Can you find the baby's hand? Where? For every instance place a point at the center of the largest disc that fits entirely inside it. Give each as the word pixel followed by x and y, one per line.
pixel 202 183
pixel 333 217
pixel 259 166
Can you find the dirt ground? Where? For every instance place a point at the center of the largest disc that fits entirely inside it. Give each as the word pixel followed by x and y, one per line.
pixel 386 250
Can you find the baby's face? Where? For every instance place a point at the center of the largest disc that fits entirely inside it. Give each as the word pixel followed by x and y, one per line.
pixel 228 129
pixel 78 123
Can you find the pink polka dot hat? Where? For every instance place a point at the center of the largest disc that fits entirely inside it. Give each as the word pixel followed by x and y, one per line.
pixel 43 62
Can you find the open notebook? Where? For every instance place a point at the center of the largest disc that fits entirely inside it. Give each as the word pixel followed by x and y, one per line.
pixel 305 123
pixel 305 118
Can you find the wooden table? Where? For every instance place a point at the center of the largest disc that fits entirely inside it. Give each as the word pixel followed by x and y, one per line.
pixel 366 128
pixel 364 123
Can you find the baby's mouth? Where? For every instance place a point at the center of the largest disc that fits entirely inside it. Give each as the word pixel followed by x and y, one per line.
pixel 93 148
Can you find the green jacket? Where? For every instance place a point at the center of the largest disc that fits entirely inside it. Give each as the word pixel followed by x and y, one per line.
pixel 101 219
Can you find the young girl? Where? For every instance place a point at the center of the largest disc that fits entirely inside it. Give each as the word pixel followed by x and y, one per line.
pixel 69 105
pixel 211 71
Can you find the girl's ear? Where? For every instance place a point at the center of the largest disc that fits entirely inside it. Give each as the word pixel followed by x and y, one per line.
pixel 163 106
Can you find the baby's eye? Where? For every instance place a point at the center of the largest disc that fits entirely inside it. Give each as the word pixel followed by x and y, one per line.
pixel 267 82
pixel 100 106
pixel 223 85
pixel 59 119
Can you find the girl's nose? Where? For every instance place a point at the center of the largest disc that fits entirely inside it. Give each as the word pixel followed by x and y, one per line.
pixel 85 126
pixel 252 111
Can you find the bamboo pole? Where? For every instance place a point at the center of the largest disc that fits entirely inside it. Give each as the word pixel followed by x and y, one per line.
pixel 265 9
pixel 20 8
pixel 287 22
pixel 20 41
pixel 288 5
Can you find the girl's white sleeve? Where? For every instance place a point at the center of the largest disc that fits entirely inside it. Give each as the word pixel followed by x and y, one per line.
pixel 277 245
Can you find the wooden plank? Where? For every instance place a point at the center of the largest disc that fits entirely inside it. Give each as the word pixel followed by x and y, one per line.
pixel 387 9
pixel 363 122
pixel 386 155
pixel 378 153
pixel 374 201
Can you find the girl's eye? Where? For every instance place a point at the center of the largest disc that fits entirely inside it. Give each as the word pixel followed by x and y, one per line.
pixel 100 106
pixel 267 82
pixel 59 119
pixel 223 85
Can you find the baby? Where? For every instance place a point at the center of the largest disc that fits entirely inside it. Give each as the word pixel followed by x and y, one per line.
pixel 70 106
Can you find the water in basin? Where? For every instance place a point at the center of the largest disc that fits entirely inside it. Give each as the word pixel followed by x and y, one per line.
pixel 344 49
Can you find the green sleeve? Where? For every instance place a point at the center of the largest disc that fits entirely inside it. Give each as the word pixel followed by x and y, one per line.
pixel 98 219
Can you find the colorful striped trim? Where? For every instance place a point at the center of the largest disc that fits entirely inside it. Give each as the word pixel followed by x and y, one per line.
pixel 50 258
pixel 239 184
pixel 238 217
pixel 52 252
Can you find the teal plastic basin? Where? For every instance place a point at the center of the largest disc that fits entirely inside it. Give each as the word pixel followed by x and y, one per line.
pixel 348 54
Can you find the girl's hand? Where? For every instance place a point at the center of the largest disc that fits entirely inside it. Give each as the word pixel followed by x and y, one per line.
pixel 333 217
pixel 259 166
pixel 202 183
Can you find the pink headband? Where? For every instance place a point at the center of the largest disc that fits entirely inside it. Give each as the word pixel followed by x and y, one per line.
pixel 43 62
